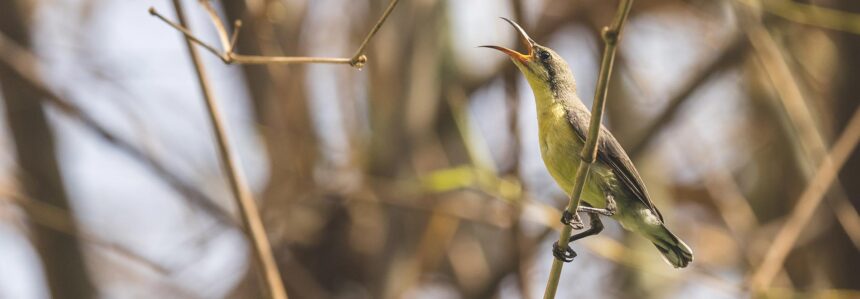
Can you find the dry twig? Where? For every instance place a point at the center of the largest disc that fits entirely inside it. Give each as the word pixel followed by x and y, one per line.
pixel 229 56
pixel 247 206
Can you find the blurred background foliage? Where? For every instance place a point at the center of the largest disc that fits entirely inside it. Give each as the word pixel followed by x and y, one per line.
pixel 419 176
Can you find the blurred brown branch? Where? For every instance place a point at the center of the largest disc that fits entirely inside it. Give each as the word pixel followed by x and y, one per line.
pixel 25 65
pixel 814 147
pixel 803 129
pixel 729 56
pixel 228 44
pixel 807 204
pixel 63 262
pixel 730 202
pixel 60 220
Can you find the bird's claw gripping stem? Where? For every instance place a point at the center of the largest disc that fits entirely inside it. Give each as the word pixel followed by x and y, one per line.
pixel 605 212
pixel 572 220
pixel 564 254
pixel 609 211
pixel 567 254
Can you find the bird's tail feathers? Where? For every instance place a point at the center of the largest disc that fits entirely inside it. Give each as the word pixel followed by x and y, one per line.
pixel 674 251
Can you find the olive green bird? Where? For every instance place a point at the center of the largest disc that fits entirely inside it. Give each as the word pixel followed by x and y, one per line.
pixel 613 187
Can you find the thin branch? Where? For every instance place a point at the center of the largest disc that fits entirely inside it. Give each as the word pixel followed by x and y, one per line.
pixel 247 206
pixel 358 57
pixel 219 26
pixel 611 36
pixel 254 59
pixel 25 64
pixel 235 38
pixel 228 56
pixel 189 35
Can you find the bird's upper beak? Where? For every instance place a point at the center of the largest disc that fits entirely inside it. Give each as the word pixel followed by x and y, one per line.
pixel 524 39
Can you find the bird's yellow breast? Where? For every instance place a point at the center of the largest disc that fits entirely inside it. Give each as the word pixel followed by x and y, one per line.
pixel 560 149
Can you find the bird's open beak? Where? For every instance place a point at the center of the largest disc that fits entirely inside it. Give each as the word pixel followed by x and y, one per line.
pixel 524 39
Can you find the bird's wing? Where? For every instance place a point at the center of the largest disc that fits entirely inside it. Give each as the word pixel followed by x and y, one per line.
pixel 610 152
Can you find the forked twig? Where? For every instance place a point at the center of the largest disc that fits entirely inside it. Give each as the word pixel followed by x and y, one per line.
pixel 228 42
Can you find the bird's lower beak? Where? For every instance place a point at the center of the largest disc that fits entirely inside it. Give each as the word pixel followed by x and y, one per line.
pixel 524 39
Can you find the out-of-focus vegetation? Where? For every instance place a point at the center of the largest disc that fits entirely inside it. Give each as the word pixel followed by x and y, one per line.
pixel 419 176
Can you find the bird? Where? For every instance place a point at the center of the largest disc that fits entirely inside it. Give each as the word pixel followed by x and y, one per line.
pixel 613 187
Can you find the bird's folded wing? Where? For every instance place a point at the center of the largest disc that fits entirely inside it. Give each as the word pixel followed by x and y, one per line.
pixel 610 152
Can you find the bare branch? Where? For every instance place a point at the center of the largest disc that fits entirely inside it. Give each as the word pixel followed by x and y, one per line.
pixel 249 212
pixel 189 35
pixel 219 26
pixel 229 56
pixel 358 59
pixel 233 39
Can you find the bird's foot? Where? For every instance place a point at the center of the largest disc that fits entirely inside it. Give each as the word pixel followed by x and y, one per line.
pixel 596 228
pixel 572 220
pixel 564 254
pixel 609 211
pixel 605 212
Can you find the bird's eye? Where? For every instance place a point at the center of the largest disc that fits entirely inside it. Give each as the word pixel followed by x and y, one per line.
pixel 543 55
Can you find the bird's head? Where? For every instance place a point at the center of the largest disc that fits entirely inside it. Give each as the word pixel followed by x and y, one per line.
pixel 540 65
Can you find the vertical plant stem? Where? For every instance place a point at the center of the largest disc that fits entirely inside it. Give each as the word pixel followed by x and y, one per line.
pixel 247 206
pixel 611 35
